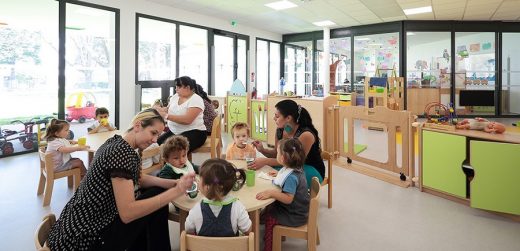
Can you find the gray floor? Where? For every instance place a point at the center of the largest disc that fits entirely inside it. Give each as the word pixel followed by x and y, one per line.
pixel 367 214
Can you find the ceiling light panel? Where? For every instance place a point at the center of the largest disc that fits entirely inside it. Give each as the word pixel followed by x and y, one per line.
pixel 325 23
pixel 281 5
pixel 420 10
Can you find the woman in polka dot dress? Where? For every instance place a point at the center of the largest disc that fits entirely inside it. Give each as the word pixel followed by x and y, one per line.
pixel 106 212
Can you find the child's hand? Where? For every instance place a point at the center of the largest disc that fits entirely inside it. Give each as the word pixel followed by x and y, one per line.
pixel 83 148
pixel 257 163
pixel 273 173
pixel 264 195
pixel 73 142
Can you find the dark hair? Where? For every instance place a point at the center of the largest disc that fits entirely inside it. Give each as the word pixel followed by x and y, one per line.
pixel 54 127
pixel 184 81
pixel 200 91
pixel 292 152
pixel 173 144
pixel 299 114
pixel 220 176
pixel 147 117
pixel 101 110
pixel 238 126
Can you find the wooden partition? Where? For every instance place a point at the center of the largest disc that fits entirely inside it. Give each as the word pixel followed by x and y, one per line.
pixel 393 121
pixel 317 108
pixel 259 119
pixel 237 109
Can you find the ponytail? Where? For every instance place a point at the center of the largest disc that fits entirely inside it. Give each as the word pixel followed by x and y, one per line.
pixel 54 126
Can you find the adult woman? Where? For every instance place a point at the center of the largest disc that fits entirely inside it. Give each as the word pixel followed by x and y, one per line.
pixel 293 121
pixel 185 114
pixel 104 213
pixel 209 110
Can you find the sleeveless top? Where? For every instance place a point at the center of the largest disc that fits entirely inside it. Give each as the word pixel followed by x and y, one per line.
pixel 216 226
pixel 314 156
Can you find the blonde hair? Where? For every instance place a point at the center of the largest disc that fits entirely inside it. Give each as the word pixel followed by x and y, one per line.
pixel 146 117
pixel 55 126
pixel 239 125
pixel 174 144
pixel 292 152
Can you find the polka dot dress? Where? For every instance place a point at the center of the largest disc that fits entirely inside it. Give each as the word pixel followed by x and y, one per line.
pixel 93 206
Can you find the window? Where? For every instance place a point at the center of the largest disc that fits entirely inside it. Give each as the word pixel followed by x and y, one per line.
pixel 375 55
pixel 298 67
pixel 510 74
pixel 475 72
pixel 340 54
pixel 428 69
pixel 242 61
pixel 262 67
pixel 156 52
pixel 28 70
pixel 90 64
pixel 223 65
pixel 193 54
pixel 267 67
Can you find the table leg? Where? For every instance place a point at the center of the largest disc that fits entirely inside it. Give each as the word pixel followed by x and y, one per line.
pixel 182 219
pixel 255 219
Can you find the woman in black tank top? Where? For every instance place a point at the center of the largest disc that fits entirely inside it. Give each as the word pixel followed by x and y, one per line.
pixel 293 121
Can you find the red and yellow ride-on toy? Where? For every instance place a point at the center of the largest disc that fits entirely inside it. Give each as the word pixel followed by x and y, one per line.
pixel 80 107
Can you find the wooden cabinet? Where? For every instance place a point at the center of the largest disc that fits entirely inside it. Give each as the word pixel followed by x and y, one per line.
pixel 494 159
pixel 496 185
pixel 442 157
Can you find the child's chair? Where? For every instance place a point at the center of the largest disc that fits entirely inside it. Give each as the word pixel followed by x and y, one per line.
pixel 202 243
pixel 213 144
pixel 47 176
pixel 308 231
pixel 42 232
pixel 150 153
pixel 327 180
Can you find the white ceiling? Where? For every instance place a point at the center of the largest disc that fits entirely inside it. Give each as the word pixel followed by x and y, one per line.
pixel 345 13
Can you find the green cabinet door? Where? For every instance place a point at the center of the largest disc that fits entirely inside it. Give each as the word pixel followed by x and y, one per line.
pixel 496 185
pixel 442 157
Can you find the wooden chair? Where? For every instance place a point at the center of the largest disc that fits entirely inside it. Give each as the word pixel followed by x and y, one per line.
pixel 202 243
pixel 213 144
pixel 149 153
pixel 308 231
pixel 48 175
pixel 42 232
pixel 327 180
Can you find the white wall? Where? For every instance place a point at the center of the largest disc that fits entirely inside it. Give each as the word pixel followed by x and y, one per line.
pixel 128 10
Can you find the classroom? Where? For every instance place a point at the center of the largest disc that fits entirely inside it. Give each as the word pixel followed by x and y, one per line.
pixel 259 125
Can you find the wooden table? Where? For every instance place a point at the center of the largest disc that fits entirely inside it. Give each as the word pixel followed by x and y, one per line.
pixel 246 195
pixel 96 140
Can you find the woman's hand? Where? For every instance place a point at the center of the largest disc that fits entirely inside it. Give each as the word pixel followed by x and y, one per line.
pixel 267 194
pixel 186 181
pixel 258 145
pixel 257 163
pixel 163 111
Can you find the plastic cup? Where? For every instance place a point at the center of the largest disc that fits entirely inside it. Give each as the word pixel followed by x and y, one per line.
pixel 250 178
pixel 193 191
pixel 104 122
pixel 82 141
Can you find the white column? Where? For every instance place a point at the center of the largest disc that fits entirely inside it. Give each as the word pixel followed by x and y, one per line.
pixel 325 70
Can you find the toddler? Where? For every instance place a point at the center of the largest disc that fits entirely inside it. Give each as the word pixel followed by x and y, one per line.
pixel 175 154
pixel 240 149
pixel 291 207
pixel 101 124
pixel 220 214
pixel 56 134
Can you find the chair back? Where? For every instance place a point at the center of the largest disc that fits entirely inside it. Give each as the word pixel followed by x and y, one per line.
pixel 328 179
pixel 203 243
pixel 150 153
pixel 216 137
pixel 42 232
pixel 312 222
pixel 46 161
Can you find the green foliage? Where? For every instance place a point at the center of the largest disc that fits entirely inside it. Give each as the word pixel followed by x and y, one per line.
pixel 19 45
